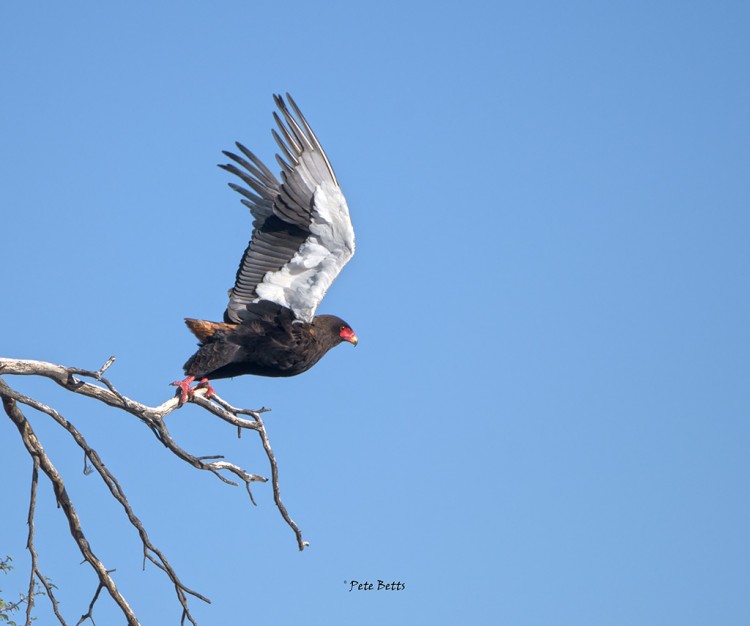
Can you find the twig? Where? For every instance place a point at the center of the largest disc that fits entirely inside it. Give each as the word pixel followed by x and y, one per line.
pixel 276 490
pixel 261 429
pixel 90 613
pixel 35 572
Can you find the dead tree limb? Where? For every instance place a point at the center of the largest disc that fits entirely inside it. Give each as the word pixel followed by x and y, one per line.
pixel 104 391
pixel 35 449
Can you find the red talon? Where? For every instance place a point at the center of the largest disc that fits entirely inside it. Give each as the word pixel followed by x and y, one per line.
pixel 185 390
pixel 207 386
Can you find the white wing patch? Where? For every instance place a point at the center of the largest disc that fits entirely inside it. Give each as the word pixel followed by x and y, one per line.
pixel 302 233
pixel 303 281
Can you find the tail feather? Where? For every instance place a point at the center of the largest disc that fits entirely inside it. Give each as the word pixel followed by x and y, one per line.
pixel 204 330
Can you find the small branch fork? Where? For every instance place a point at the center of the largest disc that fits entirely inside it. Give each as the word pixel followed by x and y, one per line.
pixel 153 418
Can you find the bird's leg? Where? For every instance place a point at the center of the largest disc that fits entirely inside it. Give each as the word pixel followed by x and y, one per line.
pixel 185 390
pixel 207 385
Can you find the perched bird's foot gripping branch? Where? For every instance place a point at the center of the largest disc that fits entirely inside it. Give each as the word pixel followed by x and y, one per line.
pixel 187 393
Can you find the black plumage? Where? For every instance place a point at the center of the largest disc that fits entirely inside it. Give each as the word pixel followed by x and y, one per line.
pixel 270 343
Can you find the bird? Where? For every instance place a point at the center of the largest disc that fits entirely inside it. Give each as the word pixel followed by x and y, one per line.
pixel 302 237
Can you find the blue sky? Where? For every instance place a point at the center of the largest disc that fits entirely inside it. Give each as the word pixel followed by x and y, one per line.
pixel 546 419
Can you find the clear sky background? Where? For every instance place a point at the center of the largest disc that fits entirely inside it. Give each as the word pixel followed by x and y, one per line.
pixel 546 419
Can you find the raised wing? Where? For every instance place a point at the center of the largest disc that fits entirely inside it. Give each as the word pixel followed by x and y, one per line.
pixel 302 233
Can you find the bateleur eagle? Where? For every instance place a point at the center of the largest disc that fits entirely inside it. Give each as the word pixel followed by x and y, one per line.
pixel 302 237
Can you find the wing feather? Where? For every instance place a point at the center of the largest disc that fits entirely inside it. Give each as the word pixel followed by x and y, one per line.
pixel 287 152
pixel 313 138
pixel 302 233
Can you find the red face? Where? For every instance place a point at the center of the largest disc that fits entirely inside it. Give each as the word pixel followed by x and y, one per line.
pixel 347 334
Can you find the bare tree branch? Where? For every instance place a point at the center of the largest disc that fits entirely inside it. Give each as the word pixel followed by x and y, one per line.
pixel 35 573
pixel 153 417
pixel 272 460
pixel 37 452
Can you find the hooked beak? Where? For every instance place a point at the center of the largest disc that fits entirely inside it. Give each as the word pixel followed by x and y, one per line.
pixel 347 334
